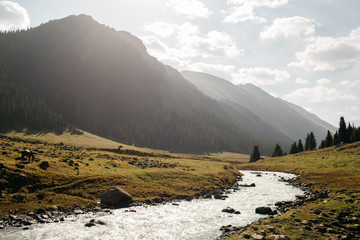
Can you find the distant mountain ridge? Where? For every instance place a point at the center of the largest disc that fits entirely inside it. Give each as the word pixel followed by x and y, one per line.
pixel 77 72
pixel 288 119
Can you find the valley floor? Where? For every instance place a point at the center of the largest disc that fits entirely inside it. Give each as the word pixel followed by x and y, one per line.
pixel 76 176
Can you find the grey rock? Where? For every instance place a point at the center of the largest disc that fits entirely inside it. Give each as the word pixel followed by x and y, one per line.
pixel 257 237
pixel 116 197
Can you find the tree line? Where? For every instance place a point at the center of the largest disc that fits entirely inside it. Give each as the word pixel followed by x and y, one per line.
pixel 345 134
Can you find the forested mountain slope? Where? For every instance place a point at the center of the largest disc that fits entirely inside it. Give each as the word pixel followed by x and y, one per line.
pixel 77 72
pixel 288 120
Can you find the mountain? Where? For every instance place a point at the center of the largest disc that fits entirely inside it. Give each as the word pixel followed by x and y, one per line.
pixel 75 72
pixel 289 121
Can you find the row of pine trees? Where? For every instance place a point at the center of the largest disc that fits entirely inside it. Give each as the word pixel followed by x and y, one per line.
pixel 345 134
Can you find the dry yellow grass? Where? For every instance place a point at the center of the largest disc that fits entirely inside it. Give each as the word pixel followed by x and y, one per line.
pixel 78 175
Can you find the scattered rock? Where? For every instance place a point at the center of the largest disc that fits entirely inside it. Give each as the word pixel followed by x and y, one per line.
pixel 44 165
pixel 19 165
pixel 93 223
pixel 20 197
pixel 40 211
pixel 90 224
pixel 280 237
pixel 248 185
pixel 116 197
pixel 100 222
pixel 78 211
pixel 246 236
pixel 257 237
pixel 263 210
pixel 228 210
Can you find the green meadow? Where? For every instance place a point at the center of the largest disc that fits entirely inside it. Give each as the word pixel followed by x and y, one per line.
pixel 332 170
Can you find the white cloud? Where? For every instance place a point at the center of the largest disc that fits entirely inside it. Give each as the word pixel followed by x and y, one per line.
pixel 191 45
pixel 155 45
pixel 260 3
pixel 302 81
pixel 13 16
pixel 244 10
pixel 327 53
pixel 163 52
pixel 190 8
pixel 352 108
pixel 260 76
pixel 243 14
pixel 347 83
pixel 161 29
pixel 214 44
pixel 319 94
pixel 220 70
pixel 323 81
pixel 288 27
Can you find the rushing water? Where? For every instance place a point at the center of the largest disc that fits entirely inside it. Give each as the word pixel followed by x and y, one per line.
pixel 196 219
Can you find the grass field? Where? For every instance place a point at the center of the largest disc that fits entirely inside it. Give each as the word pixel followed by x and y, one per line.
pixel 78 174
pixel 335 170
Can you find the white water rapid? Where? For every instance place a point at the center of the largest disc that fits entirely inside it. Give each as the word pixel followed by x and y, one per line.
pixel 196 219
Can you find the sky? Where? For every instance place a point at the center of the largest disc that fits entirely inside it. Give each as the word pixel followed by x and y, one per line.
pixel 304 51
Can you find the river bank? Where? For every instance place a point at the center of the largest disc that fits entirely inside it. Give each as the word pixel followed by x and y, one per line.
pixel 76 176
pixel 334 173
pixel 55 214
pixel 179 219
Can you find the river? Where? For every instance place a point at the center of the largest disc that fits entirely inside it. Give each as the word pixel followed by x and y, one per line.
pixel 196 219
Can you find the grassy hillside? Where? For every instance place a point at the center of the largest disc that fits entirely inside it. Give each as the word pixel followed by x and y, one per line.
pixel 77 175
pixel 85 139
pixel 335 170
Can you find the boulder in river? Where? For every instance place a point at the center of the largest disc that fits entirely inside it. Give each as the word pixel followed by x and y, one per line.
pixel 116 197
pixel 228 210
pixel 263 210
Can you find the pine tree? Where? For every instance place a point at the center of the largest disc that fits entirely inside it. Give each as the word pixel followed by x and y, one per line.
pixel 349 131
pixel 322 144
pixel 353 135
pixel 307 140
pixel 294 148
pixel 300 146
pixel 357 134
pixel 278 152
pixel 255 155
pixel 328 139
pixel 336 139
pixel 312 141
pixel 342 131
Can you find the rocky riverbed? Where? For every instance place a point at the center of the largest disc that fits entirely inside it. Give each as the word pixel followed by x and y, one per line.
pixel 197 218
